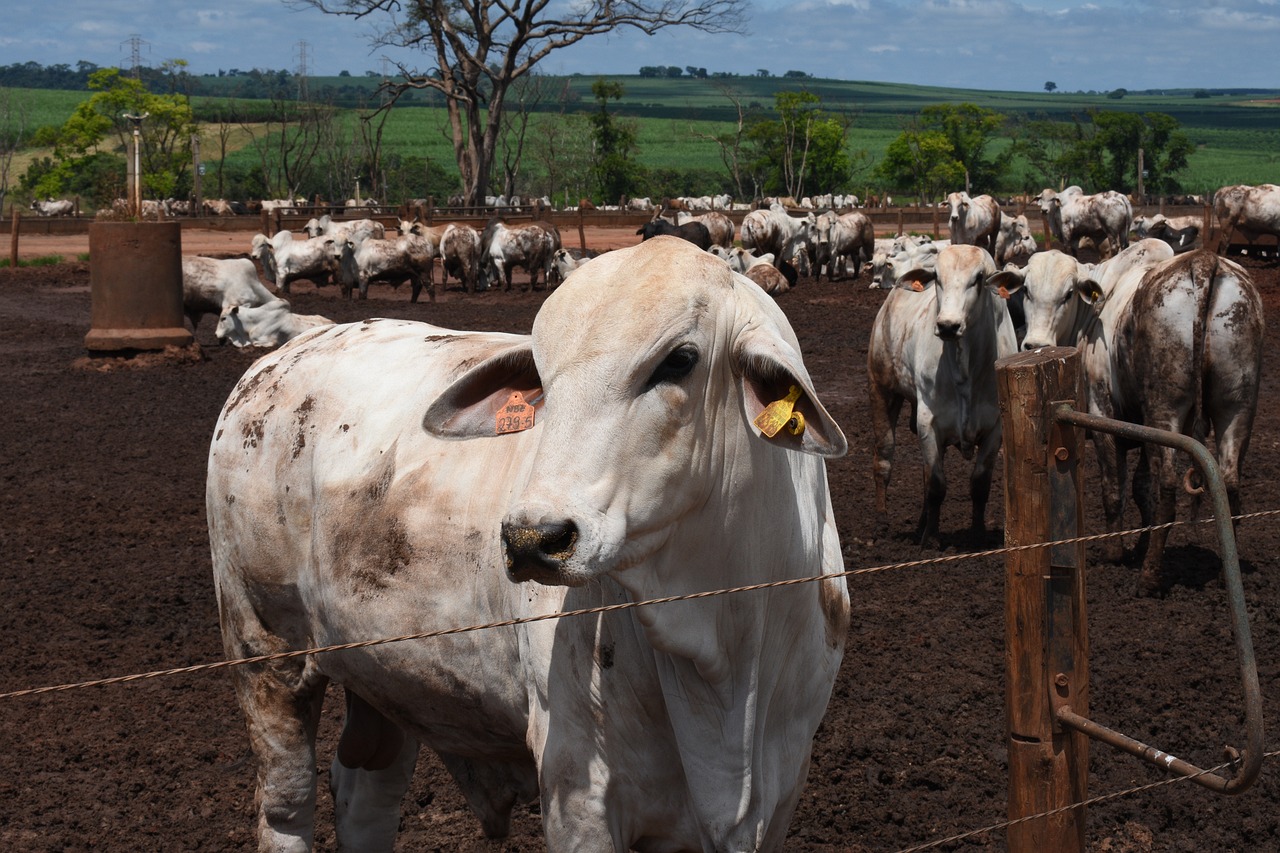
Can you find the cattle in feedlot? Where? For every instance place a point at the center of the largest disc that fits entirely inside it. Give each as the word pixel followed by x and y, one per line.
pixel 933 347
pixel 656 435
pixel 1105 218
pixel 974 220
pixel 210 285
pixel 1171 342
pixel 1254 211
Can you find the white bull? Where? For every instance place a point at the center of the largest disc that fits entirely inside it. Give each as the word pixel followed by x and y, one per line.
pixel 1014 242
pixel 211 284
pixel 1174 343
pixel 1182 233
pixel 974 220
pixel 268 325
pixel 285 260
pixel 398 501
pixel 1105 218
pixel 1254 211
pixel 935 348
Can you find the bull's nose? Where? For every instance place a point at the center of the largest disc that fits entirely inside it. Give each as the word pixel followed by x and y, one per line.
pixel 948 330
pixel 537 551
pixel 1029 345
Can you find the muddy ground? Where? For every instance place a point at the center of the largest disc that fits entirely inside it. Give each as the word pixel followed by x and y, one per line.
pixel 104 570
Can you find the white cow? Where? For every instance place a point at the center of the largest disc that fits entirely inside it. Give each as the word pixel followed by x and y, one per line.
pixel 1252 210
pixel 905 252
pixel 1171 342
pixel 1105 218
pixel 1014 242
pixel 1182 233
pixel 211 284
pixel 285 260
pixel 352 229
pixel 774 230
pixel 841 238
pixel 362 262
pixel 404 496
pixel 974 221
pixel 53 207
pixel 935 348
pixel 267 325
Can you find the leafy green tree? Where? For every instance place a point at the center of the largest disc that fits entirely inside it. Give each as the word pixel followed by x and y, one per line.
pixel 1050 86
pixel 98 127
pixel 617 173
pixel 921 161
pixel 970 129
pixel 1119 136
pixel 803 147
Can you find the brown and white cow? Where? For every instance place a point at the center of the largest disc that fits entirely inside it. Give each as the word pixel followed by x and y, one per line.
pixel 403 497
pixel 777 232
pixel 1254 211
pixel 1014 242
pixel 503 247
pixel 934 345
pixel 1105 218
pixel 407 257
pixel 841 238
pixel 974 220
pixel 720 228
pixel 1171 342
pixel 460 255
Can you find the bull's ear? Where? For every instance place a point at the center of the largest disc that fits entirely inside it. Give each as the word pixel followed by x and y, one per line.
pixel 772 374
pixel 1008 281
pixel 1089 290
pixel 917 279
pixel 470 406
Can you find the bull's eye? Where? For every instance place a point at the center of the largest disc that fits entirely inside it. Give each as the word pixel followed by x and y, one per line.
pixel 678 364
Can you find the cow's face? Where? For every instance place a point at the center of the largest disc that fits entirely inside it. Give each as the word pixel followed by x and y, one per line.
pixel 651 363
pixel 1056 288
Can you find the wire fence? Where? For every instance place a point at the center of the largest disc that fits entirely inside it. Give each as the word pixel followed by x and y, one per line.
pixel 848 573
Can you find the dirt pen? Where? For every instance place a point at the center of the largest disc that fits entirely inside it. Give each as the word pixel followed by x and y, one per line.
pixel 105 571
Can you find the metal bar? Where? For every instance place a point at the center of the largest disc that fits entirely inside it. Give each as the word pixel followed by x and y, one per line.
pixel 1251 764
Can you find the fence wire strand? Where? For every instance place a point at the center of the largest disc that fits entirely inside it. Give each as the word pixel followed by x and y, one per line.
pixel 607 608
pixel 1101 798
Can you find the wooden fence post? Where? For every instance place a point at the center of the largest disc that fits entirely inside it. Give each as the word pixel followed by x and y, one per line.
pixel 1046 632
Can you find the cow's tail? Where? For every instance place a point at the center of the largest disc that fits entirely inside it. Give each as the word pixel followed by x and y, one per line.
pixel 1204 270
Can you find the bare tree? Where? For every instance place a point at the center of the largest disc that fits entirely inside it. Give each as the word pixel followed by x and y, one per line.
pixel 561 146
pixel 481 47
pixel 527 96
pixel 731 141
pixel 287 143
pixel 13 132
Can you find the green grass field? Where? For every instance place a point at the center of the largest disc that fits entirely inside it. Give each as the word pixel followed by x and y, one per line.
pixel 1238 135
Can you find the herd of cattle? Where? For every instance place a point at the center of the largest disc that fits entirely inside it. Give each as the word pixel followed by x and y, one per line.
pixel 679 447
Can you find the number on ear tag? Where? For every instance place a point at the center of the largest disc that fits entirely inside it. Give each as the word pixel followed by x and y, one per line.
pixel 515 415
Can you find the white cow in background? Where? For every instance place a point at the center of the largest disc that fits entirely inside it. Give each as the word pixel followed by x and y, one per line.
pixel 210 285
pixel 629 467
pixel 53 207
pixel 1105 218
pixel 285 260
pixel 1182 233
pixel 1014 241
pixel 1254 211
pixel 267 325
pixel 353 229
pixel 974 220
pixel 933 347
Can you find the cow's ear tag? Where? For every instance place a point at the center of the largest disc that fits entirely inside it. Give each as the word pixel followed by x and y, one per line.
pixel 516 415
pixel 781 413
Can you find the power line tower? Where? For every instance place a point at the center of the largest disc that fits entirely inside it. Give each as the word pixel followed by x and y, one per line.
pixel 135 43
pixel 302 70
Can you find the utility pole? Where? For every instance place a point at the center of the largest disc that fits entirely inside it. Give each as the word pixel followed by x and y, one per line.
pixel 1141 195
pixel 135 164
pixel 197 172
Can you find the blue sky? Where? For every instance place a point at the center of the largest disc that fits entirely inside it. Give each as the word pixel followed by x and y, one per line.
pixel 985 44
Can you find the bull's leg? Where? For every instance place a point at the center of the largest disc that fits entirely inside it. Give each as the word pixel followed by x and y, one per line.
pixel 492 789
pixel 1112 472
pixel 364 288
pixel 980 480
pixel 885 407
pixel 281 701
pixel 369 776
pixel 935 484
pixel 1164 472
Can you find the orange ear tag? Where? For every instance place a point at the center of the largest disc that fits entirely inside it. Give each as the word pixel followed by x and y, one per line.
pixel 780 413
pixel 516 415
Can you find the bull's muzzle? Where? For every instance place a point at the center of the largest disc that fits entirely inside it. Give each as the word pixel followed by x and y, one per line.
pixel 948 330
pixel 538 552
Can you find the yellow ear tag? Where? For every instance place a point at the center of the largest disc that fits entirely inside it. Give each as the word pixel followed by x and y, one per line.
pixel 780 413
pixel 515 415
